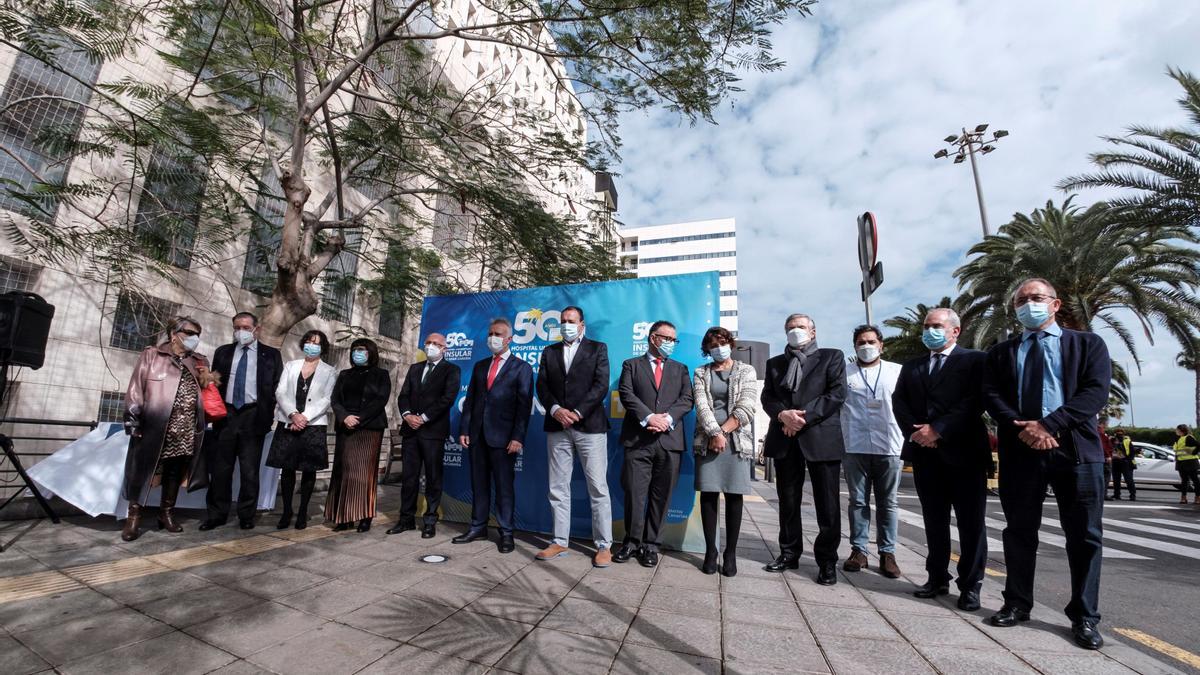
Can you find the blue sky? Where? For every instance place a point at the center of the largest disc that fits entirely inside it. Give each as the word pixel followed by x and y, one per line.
pixel 851 125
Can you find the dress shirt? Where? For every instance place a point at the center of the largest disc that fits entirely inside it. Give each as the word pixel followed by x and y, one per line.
pixel 570 349
pixel 652 358
pixel 868 424
pixel 1052 382
pixel 946 351
pixel 251 373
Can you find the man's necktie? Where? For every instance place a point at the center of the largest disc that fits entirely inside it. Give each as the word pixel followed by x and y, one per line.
pixel 492 371
pixel 657 373
pixel 239 380
pixel 425 374
pixel 938 360
pixel 1032 375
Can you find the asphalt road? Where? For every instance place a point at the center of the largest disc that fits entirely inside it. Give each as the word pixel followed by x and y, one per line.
pixel 1151 569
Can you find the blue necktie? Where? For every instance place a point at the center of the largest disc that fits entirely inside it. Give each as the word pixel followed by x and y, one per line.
pixel 239 380
pixel 1032 375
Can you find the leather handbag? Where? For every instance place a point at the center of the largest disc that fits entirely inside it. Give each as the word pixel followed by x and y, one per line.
pixel 214 405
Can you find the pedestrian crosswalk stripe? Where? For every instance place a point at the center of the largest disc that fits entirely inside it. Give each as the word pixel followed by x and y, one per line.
pixel 916 520
pixel 1150 529
pixel 1164 546
pixel 1061 541
pixel 1174 523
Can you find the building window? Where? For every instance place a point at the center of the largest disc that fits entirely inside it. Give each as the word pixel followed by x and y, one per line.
pixel 18 275
pixel 169 207
pixel 266 227
pixel 690 256
pixel 112 407
pixel 729 273
pixel 691 237
pixel 726 294
pixel 450 227
pixel 392 306
pixel 138 321
pixel 39 102
pixel 729 312
pixel 337 293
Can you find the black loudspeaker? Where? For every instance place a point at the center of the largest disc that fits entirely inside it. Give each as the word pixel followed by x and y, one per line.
pixel 24 328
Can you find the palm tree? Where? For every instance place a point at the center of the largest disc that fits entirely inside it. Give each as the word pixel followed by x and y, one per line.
pixel 1189 359
pixel 1160 165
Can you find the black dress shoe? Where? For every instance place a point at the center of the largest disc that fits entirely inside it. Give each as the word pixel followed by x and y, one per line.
pixel 782 563
pixel 827 576
pixel 246 524
pixel 648 558
pixel 285 521
pixel 468 537
pixel 302 521
pixel 624 553
pixel 968 601
pixel 729 566
pixel 210 524
pixel 428 532
pixel 710 563
pixel 401 527
pixel 364 525
pixel 1008 616
pixel 932 590
pixel 341 527
pixel 506 545
pixel 1086 635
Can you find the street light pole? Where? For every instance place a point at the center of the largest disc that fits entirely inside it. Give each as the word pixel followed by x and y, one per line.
pixel 965 146
pixel 978 188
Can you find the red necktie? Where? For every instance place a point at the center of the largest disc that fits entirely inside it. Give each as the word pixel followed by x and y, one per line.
pixel 492 371
pixel 657 373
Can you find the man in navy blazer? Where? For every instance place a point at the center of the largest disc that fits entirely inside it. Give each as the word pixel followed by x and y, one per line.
pixel 494 417
pixel 938 406
pixel 1045 388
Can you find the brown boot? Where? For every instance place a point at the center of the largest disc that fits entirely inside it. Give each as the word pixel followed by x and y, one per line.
pixel 131 531
pixel 888 567
pixel 166 505
pixel 857 561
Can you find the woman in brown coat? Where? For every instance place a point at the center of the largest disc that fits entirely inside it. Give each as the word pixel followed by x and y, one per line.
pixel 165 421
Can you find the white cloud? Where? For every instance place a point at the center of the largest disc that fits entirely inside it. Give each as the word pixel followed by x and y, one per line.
pixel 851 125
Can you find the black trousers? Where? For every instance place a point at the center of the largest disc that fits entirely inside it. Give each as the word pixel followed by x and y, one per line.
pixel 1122 469
pixel 492 469
pixel 1079 491
pixel 421 456
pixel 942 487
pixel 826 480
pixel 648 477
pixel 238 443
pixel 1190 476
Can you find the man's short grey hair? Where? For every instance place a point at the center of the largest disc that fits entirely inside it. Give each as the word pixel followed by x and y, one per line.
pixel 1033 280
pixel 788 320
pixel 951 316
pixel 501 320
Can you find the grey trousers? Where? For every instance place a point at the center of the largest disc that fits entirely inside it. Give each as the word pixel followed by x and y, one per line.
pixel 592 450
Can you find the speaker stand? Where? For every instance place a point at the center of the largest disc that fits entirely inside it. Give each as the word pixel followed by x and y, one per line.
pixel 7 444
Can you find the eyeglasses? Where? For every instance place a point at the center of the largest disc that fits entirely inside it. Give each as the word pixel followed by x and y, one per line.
pixel 188 332
pixel 664 338
pixel 1036 297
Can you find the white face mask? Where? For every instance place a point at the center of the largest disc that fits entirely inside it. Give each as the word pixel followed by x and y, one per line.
pixel 867 353
pixel 798 337
pixel 191 342
pixel 569 331
pixel 433 352
pixel 243 337
pixel 720 353
pixel 495 344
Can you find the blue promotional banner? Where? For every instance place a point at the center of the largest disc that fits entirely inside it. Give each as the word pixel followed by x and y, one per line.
pixel 618 313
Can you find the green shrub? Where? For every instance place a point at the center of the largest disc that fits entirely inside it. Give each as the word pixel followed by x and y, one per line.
pixel 1155 435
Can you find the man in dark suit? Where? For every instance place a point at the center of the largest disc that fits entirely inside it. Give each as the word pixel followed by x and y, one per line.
pixel 1045 387
pixel 250 373
pixel 572 386
pixel 938 406
pixel 426 396
pixel 494 417
pixel 803 393
pixel 657 394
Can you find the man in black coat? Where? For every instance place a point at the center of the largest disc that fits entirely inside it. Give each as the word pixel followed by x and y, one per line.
pixel 250 373
pixel 657 394
pixel 572 386
pixel 425 399
pixel 495 415
pixel 803 394
pixel 938 405
pixel 1045 387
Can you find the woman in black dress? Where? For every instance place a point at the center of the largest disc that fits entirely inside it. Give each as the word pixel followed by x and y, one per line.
pixel 302 402
pixel 360 399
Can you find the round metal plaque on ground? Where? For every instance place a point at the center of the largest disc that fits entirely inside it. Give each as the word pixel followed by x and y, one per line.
pixel 434 558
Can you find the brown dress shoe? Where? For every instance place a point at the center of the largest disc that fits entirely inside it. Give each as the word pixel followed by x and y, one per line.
pixel 603 558
pixel 551 552
pixel 888 567
pixel 857 561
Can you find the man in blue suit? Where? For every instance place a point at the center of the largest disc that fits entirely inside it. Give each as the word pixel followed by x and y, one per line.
pixel 494 416
pixel 1045 388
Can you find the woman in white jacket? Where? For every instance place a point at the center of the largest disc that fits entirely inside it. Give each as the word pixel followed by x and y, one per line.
pixel 302 413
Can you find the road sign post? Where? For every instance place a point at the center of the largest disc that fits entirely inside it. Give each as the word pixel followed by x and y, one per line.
pixel 868 251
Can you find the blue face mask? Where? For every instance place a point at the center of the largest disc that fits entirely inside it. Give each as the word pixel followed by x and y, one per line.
pixel 666 348
pixel 1033 314
pixel 312 350
pixel 934 338
pixel 359 357
pixel 720 353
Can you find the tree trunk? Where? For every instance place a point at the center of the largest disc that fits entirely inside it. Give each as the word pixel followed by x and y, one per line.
pixel 293 299
pixel 1197 371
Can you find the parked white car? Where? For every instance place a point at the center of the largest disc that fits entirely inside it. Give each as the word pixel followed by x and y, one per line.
pixel 1155 465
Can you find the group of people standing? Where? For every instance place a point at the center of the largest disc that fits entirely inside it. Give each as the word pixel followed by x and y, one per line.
pixel 1120 461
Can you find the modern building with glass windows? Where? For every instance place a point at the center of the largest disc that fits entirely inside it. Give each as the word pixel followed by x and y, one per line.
pixel 680 248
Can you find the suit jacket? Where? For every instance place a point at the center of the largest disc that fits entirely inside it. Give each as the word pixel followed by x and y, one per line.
pixel 371 408
pixel 641 398
pixel 432 399
pixel 317 404
pixel 270 367
pixel 1087 375
pixel 584 389
pixel 500 414
pixel 822 393
pixel 951 402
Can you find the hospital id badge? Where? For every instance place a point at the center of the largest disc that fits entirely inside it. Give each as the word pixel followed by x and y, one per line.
pixel 875 404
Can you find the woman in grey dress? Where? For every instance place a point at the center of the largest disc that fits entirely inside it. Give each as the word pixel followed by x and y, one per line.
pixel 726 402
